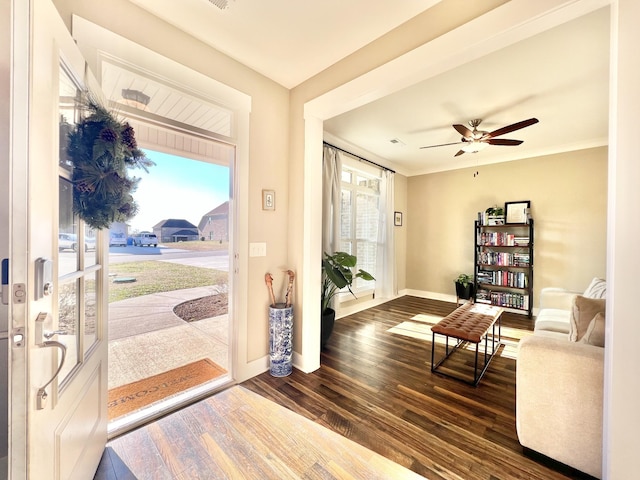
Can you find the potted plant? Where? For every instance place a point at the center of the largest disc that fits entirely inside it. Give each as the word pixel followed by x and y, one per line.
pixel 337 273
pixel 494 215
pixel 464 286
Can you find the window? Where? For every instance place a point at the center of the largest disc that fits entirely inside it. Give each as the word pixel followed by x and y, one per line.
pixel 78 268
pixel 360 216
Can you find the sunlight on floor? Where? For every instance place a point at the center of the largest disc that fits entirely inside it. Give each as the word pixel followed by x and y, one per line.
pixel 419 327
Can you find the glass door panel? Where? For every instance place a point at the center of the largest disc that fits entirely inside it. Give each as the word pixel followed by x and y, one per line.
pixel 78 248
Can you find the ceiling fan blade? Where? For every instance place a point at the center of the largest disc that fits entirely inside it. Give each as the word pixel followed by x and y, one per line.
pixel 442 145
pixel 512 128
pixel 460 152
pixel 502 141
pixel 464 131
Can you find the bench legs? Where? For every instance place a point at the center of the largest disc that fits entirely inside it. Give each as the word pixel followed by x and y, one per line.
pixel 488 356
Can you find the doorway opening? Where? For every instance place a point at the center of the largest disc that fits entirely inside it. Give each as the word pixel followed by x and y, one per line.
pixel 169 324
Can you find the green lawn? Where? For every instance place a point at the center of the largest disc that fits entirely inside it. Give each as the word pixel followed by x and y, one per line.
pixel 155 277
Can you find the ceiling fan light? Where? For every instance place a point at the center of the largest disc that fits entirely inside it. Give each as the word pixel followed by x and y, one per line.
pixel 474 147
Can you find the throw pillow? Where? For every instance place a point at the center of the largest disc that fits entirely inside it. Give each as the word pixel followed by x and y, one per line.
pixel 582 312
pixel 595 331
pixel 596 289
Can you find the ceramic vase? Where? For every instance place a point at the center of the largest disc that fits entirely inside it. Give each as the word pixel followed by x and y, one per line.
pixel 280 339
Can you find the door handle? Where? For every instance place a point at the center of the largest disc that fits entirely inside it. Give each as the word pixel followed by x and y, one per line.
pixel 41 397
pixel 48 335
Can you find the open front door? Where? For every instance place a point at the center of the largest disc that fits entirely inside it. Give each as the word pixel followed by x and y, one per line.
pixel 57 305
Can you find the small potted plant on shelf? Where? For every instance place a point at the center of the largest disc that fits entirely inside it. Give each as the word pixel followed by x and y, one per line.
pixel 337 273
pixel 464 286
pixel 494 215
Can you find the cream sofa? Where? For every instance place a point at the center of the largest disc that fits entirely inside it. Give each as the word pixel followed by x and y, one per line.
pixel 559 384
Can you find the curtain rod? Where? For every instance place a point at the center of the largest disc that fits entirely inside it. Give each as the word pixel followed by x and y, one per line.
pixel 359 157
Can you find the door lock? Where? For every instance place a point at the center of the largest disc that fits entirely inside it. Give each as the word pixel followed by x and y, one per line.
pixel 43 278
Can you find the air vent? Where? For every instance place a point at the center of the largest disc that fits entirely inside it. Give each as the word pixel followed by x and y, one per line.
pixel 397 141
pixel 221 4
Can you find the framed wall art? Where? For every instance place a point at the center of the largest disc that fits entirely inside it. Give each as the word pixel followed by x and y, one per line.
pixel 517 212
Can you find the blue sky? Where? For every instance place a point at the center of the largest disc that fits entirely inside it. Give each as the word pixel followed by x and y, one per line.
pixel 177 187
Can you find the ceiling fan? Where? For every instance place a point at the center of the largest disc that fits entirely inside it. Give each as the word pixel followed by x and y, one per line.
pixel 475 140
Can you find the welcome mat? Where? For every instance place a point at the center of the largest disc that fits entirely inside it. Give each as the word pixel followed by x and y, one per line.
pixel 133 396
pixel 419 327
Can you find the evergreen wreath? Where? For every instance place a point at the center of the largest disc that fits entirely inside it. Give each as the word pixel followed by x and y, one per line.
pixel 102 149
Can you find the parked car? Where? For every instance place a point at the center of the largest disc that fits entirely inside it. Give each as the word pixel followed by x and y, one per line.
pixel 69 241
pixel 145 239
pixel 117 239
pixel 89 243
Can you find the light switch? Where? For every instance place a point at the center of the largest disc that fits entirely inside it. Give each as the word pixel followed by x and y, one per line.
pixel 258 249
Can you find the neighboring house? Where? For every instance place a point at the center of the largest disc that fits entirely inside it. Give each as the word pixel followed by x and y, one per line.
pixel 175 230
pixel 215 224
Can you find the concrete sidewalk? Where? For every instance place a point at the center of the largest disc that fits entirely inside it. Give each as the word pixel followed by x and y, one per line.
pixel 146 338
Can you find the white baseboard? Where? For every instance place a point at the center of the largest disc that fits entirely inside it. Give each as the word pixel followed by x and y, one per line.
pixel 452 299
pixel 262 364
pixel 252 369
pixel 431 295
pixel 358 307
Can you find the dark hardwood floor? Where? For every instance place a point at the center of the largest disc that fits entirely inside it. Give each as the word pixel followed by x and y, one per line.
pixel 376 388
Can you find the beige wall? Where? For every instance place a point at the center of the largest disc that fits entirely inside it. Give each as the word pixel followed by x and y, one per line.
pixel 434 22
pixel 568 194
pixel 400 202
pixel 268 145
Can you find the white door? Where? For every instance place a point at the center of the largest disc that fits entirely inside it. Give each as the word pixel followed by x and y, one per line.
pixel 57 410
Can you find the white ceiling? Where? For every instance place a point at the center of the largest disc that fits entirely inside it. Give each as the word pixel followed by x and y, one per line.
pixel 288 41
pixel 559 76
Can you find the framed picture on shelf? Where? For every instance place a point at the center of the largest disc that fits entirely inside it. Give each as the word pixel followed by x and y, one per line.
pixel 517 212
pixel 397 219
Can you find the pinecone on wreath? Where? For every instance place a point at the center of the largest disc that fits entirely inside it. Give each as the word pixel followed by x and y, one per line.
pixel 102 149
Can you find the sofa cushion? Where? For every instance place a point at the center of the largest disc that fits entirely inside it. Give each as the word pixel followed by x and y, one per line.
pixel 596 289
pixel 595 331
pixel 582 312
pixel 553 320
pixel 550 334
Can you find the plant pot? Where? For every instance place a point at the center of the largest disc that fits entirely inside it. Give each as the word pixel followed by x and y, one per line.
pixel 326 327
pixel 465 293
pixel 280 339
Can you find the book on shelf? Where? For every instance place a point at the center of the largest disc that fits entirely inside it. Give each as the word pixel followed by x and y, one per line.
pixel 508 259
pixel 503 278
pixel 502 239
pixel 511 300
pixel 483 295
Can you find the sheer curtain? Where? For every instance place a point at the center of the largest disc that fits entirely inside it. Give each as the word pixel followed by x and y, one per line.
pixel 386 281
pixel 331 199
pixel 385 273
